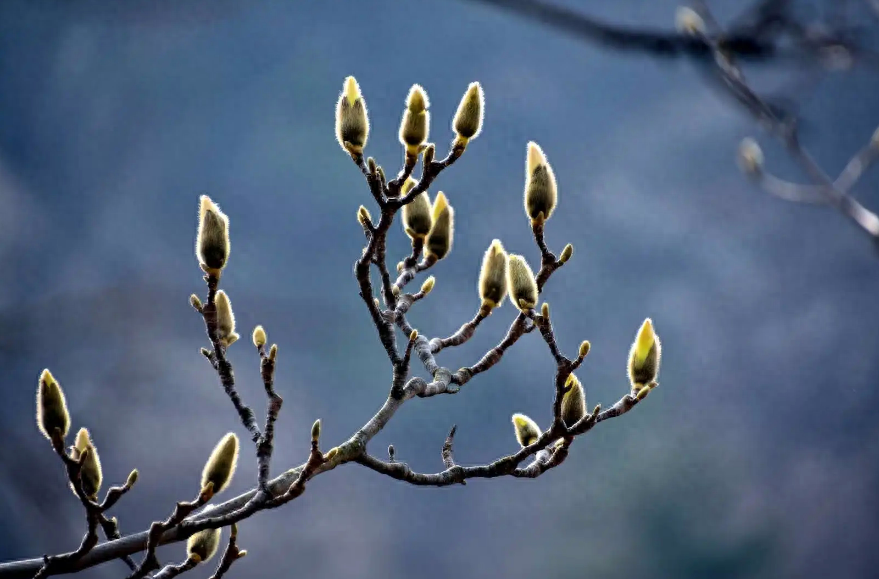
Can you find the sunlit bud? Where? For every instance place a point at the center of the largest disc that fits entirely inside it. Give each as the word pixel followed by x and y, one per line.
pixel 225 320
pixel 527 431
pixel 51 406
pixel 221 465
pixel 688 21
pixel 273 352
pixel 212 241
pixel 428 284
pixel 750 157
pixel 315 431
pixel 584 348
pixel 352 122
pixel 413 336
pixel 467 123
pixel 371 167
pixel 201 546
pixel 541 191
pixel 544 310
pixel 521 283
pixel 428 155
pixel 566 254
pixel 642 393
pixel 415 125
pixel 132 478
pixel 439 240
pixel 493 275
pixel 90 476
pixel 195 302
pixel 573 402
pixel 644 357
pixel 417 219
pixel 259 336
pixel 363 216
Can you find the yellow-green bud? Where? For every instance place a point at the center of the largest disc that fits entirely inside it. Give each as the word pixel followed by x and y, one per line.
pixel 541 191
pixel 439 240
pixel 195 302
pixel 315 431
pixel 544 310
pixel 212 241
pixel 413 336
pixel 132 478
pixel 225 320
pixel 642 393
pixel 493 275
pixel 527 431
pixel 750 157
pixel 363 215
pixel 467 123
pixel 51 406
pixel 644 357
pixel 566 254
pixel 417 219
pixel 259 336
pixel 688 21
pixel 585 346
pixel 90 476
pixel 415 125
pixel 573 402
pixel 428 155
pixel 352 122
pixel 201 546
pixel 428 284
pixel 273 352
pixel 221 465
pixel 521 283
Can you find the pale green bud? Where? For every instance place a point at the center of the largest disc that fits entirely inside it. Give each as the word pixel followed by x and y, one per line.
pixel 521 283
pixel 493 275
pixel 221 465
pixel 541 191
pixel 352 121
pixel 51 406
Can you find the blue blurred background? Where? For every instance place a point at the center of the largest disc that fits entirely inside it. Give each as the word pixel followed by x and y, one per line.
pixel 757 457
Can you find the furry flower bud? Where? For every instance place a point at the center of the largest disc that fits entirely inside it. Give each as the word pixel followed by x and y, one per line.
pixel 259 336
pixel 439 240
pixel 201 546
pixel 352 122
pixel 573 402
pixel 51 406
pixel 521 283
pixel 225 320
pixel 221 465
pixel 644 357
pixel 428 284
pixel 212 241
pixel 91 474
pixel 527 431
pixel 415 125
pixel 417 219
pixel 493 276
pixel 467 123
pixel 541 191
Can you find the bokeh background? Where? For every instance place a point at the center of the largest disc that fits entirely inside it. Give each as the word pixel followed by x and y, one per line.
pixel 757 457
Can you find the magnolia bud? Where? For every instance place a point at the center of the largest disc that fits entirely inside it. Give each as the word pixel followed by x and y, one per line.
pixel 259 336
pixel 315 431
pixel 225 320
pixel 352 122
pixel 566 254
pixel 132 478
pixel 541 192
pixel 527 431
pixel 644 357
pixel 273 352
pixel 415 125
pixel 521 283
pixel 212 241
pixel 363 215
pixel 417 219
pixel 493 275
pixel 688 21
pixel 195 302
pixel 221 465
pixel 585 346
pixel 202 545
pixel 439 240
pixel 573 402
pixel 51 406
pixel 750 157
pixel 467 123
pixel 428 284
pixel 90 476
